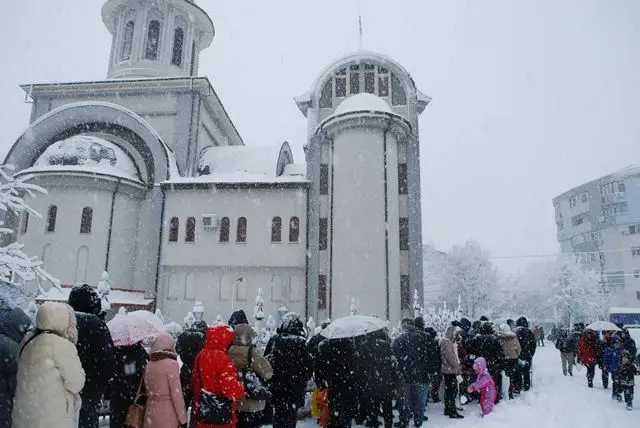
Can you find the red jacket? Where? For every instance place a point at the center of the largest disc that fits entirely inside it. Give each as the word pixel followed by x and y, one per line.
pixel 588 349
pixel 219 376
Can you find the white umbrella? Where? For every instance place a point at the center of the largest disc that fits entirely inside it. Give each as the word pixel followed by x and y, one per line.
pixel 150 318
pixel 352 326
pixel 128 329
pixel 602 326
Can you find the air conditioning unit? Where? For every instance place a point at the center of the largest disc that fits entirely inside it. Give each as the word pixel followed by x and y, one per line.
pixel 210 221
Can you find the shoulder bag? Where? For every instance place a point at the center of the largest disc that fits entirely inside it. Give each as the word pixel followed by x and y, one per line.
pixel 213 409
pixel 253 385
pixel 135 413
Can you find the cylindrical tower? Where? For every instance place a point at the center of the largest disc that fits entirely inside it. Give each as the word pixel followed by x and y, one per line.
pixel 156 38
pixel 361 224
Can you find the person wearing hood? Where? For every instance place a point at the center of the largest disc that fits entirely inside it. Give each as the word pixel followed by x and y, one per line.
pixel 511 350
pixel 567 344
pixel 292 368
pixel 14 324
pixel 50 375
pixel 95 349
pixel 214 372
pixel 165 407
pixel 237 317
pixel 451 368
pixel 589 354
pixel 188 346
pixel 528 349
pixel 611 362
pixel 626 377
pixel 485 385
pixel 249 409
pixel 487 345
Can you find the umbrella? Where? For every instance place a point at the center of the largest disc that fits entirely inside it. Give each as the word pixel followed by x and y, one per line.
pixel 150 318
pixel 353 326
pixel 602 326
pixel 128 329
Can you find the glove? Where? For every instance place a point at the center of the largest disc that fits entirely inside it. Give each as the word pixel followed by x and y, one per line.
pixel 183 426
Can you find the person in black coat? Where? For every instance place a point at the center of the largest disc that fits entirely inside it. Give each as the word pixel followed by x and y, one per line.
pixel 381 377
pixel 292 368
pixel 522 377
pixel 95 349
pixel 434 362
pixel 13 326
pixel 486 344
pixel 626 377
pixel 410 349
pixel 130 364
pixel 188 346
pixel 627 342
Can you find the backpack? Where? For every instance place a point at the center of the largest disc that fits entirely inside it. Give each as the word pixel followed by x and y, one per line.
pixel 253 385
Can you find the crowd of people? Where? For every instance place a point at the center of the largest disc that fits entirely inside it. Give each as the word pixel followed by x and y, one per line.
pixel 57 373
pixel 614 352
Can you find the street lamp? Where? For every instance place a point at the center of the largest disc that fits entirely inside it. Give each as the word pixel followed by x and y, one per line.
pixel 233 290
pixel 198 311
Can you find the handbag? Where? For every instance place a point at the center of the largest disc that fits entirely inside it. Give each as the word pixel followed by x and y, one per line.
pixel 253 385
pixel 135 413
pixel 213 409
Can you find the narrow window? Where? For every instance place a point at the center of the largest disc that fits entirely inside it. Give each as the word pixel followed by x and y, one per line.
pixel 404 234
pixel 324 179
pixel 25 222
pixel 87 220
pixel 241 236
pixel 370 82
pixel 322 291
pixel 52 215
pixel 398 97
pixel 341 87
pixel 326 97
pixel 174 229
pixel 178 42
pixel 354 83
pixel 405 294
pixel 153 40
pixel 324 231
pixel 191 230
pixel 403 187
pixel 294 229
pixel 383 86
pixel 225 226
pixel 276 229
pixel 127 41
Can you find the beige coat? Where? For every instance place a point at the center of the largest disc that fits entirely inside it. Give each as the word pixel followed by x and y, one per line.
pixel 510 345
pixel 50 375
pixel 239 352
pixel 449 352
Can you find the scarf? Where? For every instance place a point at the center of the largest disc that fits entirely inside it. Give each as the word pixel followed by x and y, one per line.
pixel 163 355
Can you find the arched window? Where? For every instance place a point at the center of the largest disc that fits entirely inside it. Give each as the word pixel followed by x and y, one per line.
pixel 174 229
pixel 153 40
pixel 191 230
pixel 86 220
pixel 52 216
pixel 127 41
pixel 178 43
pixel 294 229
pixel 225 226
pixel 398 96
pixel 25 222
pixel 276 229
pixel 241 235
pixel 326 97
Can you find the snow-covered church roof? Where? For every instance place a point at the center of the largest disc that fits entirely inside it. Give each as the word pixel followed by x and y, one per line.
pixel 86 153
pixel 363 102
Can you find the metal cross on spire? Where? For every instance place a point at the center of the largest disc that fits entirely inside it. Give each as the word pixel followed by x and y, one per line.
pixel 359 27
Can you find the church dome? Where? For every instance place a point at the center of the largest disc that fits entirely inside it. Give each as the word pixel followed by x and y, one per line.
pixel 363 102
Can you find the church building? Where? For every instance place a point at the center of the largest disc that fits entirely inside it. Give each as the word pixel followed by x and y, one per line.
pixel 148 179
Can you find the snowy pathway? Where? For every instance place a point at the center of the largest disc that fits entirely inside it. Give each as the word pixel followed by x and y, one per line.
pixel 554 401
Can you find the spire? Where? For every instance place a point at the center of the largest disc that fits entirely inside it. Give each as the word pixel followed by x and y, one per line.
pixel 359 28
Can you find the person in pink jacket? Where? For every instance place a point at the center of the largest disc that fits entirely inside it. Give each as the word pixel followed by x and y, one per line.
pixel 484 385
pixel 165 404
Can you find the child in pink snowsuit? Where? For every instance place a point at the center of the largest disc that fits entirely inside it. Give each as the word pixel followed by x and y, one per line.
pixel 484 385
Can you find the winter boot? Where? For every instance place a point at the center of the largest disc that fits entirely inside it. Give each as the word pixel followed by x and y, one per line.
pixel 590 383
pixel 629 406
pixel 456 415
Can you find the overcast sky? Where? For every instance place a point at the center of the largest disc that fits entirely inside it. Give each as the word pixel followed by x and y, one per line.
pixel 530 98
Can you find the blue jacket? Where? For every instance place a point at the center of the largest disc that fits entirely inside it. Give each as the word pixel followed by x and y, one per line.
pixel 612 358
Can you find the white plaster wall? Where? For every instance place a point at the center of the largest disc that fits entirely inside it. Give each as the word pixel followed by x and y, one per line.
pixel 209 133
pixel 258 206
pixel 124 243
pixel 182 286
pixel 358 222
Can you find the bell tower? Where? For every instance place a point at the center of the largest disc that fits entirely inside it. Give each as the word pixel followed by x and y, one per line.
pixel 156 38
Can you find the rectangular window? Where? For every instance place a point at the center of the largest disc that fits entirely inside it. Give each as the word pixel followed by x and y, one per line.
pixel 638 295
pixel 584 197
pixel 404 234
pixel 403 187
pixel 622 187
pixel 370 82
pixel 615 279
pixel 383 86
pixel 635 251
pixel 341 87
pixel 577 220
pixel 636 273
pixel 405 292
pixel 632 230
pixel 354 83
pixel 322 292
pixel 324 232
pixel 324 179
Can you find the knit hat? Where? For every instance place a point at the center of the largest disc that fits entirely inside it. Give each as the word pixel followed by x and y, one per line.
pixel 504 328
pixel 163 342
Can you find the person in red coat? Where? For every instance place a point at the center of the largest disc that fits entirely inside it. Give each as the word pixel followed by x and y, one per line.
pixel 588 354
pixel 217 371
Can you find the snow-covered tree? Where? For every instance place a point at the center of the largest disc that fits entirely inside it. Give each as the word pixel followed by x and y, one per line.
pixel 258 310
pixel 189 320
pixel 104 288
pixel 219 319
pixel 417 309
pixel 439 318
pixel 353 310
pixel 468 272
pixel 14 263
pixel 311 327
pixel 160 315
